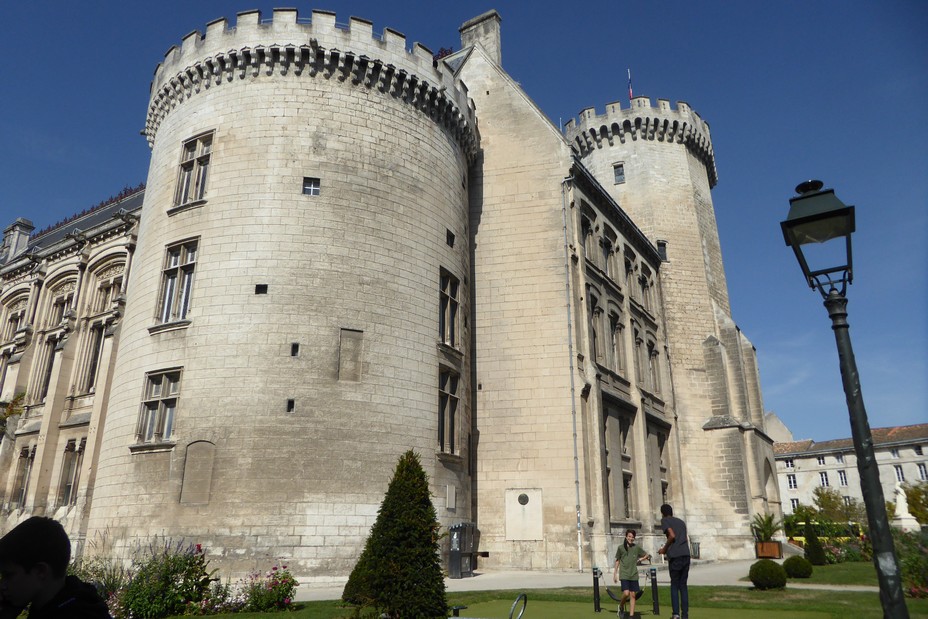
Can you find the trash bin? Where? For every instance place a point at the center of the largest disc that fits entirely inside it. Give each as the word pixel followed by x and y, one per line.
pixel 461 550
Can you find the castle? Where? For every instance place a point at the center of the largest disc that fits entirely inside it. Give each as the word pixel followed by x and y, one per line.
pixel 347 248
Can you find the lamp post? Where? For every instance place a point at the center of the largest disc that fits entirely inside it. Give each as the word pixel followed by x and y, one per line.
pixel 816 217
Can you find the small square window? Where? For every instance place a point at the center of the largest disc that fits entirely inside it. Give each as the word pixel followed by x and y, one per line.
pixel 618 172
pixel 311 186
pixel 449 238
pixel 821 460
pixel 260 288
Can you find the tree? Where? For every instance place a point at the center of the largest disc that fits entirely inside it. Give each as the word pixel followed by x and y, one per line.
pixel 831 506
pixel 399 572
pixel 11 408
pixel 813 550
pixel 917 496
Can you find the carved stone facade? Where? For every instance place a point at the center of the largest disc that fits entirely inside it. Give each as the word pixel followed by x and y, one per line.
pixel 346 250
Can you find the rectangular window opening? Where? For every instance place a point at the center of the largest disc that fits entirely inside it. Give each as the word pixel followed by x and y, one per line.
pixel 618 172
pixel 291 405
pixel 156 418
pixel 260 288
pixel 311 186
pixel 295 349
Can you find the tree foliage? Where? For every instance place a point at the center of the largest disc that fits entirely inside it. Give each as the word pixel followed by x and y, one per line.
pixel 11 408
pixel 830 506
pixel 399 572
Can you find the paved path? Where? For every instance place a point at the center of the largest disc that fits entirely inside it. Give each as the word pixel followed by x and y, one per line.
pixel 715 573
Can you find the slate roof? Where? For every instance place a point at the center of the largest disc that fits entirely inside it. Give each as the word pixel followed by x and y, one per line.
pixel 881 436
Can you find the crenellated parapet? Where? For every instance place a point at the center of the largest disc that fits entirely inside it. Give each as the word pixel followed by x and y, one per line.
pixel 317 48
pixel 642 121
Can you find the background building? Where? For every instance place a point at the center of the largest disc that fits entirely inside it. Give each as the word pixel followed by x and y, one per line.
pixel 346 249
pixel 803 466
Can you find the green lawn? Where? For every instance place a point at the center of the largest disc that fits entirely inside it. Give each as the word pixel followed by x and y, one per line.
pixel 706 602
pixel 855 573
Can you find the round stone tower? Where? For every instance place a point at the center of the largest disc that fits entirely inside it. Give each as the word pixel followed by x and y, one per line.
pixel 296 314
pixel 658 164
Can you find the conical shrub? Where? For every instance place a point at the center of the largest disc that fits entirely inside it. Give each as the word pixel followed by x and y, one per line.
pixel 399 572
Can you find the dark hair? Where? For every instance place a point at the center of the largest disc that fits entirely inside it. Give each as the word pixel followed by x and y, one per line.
pixel 625 540
pixel 37 540
pixel 666 510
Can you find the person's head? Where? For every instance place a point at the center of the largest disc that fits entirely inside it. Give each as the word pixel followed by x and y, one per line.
pixel 34 560
pixel 630 535
pixel 666 510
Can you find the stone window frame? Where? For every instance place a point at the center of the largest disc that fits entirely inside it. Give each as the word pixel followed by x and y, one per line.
pixel 820 460
pixel 71 464
pixel 14 315
pixel 449 408
pixel 193 171
pixel 794 504
pixel 788 463
pixel 618 173
pixel 842 478
pixel 823 479
pixel 617 341
pixel 620 462
pixel 22 476
pixel 922 472
pixel 157 420
pixel 791 482
pixel 900 474
pixel 175 301
pixel 449 316
pixel 43 371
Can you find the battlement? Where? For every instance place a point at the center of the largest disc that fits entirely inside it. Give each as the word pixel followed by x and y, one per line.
pixel 643 121
pixel 288 44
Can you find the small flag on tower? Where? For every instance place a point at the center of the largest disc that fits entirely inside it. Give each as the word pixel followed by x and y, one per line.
pixel 630 95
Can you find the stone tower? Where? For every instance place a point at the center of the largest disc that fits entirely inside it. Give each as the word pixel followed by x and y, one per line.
pixel 658 164
pixel 299 295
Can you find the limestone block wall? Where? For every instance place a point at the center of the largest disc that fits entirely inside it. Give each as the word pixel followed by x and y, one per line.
pixel 280 451
pixel 523 392
pixel 669 169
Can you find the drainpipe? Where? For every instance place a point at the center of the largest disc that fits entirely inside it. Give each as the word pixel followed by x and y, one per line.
pixel 570 349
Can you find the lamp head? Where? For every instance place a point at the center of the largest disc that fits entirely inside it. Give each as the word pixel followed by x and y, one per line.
pixel 815 227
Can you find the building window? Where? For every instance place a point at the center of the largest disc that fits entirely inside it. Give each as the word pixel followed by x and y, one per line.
pixel 791 482
pixel 839 458
pixel 922 471
pixel 177 281
pixel 156 420
pixel 51 351
pixel 617 333
pixel 595 313
pixel 821 460
pixel 789 463
pixel 847 500
pixel 311 186
pixel 586 231
pixel 823 479
pixel 448 317
pixel 447 411
pixel 59 309
pixel 71 471
pixel 894 453
pixel 654 368
pixel 23 472
pixel 900 476
pixel 918 450
pixel 194 170
pixel 842 478
pixel 618 172
pixel 794 504
pixel 94 352
pixel 107 292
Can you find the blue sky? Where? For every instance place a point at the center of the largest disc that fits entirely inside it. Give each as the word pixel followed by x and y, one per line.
pixel 792 90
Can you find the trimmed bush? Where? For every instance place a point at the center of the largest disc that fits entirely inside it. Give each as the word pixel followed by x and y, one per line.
pixel 813 550
pixel 399 572
pixel 798 567
pixel 767 574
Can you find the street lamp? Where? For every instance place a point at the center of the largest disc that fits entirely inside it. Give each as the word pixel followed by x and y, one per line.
pixel 817 224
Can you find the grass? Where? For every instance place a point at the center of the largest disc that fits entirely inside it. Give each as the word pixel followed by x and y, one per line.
pixel 852 573
pixel 715 602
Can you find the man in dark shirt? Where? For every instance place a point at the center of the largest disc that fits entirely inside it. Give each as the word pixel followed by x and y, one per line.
pixel 677 551
pixel 33 572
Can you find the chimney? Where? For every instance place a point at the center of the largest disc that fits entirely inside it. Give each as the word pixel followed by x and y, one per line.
pixel 15 238
pixel 483 30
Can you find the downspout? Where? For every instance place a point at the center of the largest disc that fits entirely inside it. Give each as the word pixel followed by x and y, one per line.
pixel 570 350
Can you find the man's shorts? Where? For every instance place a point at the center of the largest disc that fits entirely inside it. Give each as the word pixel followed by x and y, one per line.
pixel 630 585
